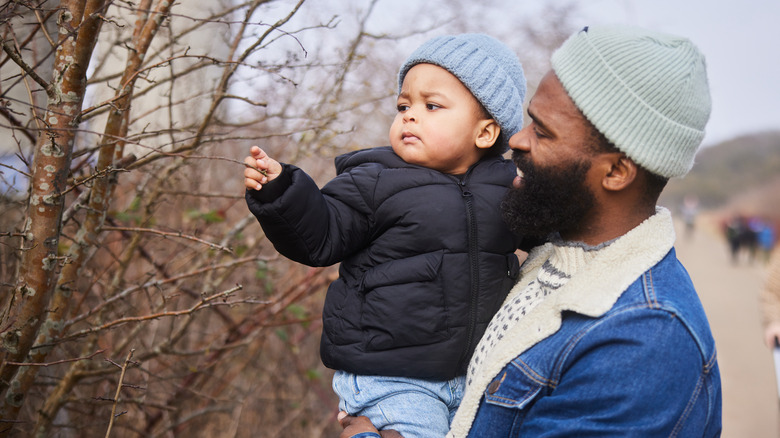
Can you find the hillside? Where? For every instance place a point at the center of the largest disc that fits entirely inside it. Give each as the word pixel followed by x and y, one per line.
pixel 737 176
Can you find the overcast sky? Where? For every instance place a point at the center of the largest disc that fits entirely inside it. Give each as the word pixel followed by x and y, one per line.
pixel 739 39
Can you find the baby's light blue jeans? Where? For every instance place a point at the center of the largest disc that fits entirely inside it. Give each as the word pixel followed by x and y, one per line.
pixel 416 408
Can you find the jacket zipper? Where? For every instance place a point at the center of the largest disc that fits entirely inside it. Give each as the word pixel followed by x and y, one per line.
pixel 473 250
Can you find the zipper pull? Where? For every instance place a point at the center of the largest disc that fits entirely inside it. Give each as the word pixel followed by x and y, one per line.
pixel 464 191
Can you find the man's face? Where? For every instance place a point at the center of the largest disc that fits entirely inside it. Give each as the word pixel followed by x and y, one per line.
pixel 554 190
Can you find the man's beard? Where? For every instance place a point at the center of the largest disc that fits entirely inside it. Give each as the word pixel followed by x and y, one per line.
pixel 551 199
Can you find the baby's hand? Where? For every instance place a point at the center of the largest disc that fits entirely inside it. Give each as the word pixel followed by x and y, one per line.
pixel 260 169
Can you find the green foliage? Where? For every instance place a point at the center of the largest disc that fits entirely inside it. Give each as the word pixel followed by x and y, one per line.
pixel 297 311
pixel 135 204
pixel 261 275
pixel 210 217
pixel 261 272
pixel 131 214
pixel 240 250
pixel 282 334
pixel 313 374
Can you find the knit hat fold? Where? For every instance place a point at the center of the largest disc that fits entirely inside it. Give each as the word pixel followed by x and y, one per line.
pixel 647 92
pixel 487 67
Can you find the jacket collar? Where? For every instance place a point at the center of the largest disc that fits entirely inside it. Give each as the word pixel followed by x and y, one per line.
pixel 592 291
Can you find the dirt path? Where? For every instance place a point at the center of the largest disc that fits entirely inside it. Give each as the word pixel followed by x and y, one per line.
pixel 730 297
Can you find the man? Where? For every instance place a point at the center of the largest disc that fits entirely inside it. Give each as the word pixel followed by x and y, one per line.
pixel 603 333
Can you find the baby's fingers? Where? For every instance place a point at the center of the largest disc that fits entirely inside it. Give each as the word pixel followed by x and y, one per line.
pixel 263 163
pixel 257 153
pixel 252 184
pixel 256 165
pixel 253 177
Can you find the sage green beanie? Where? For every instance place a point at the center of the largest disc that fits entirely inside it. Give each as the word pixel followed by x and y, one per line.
pixel 647 92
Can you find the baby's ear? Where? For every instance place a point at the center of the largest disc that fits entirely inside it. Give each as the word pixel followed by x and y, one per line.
pixel 487 134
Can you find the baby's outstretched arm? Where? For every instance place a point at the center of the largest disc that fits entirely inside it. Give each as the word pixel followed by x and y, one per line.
pixel 260 169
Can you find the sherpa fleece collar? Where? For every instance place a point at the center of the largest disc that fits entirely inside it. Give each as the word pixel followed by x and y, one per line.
pixel 592 291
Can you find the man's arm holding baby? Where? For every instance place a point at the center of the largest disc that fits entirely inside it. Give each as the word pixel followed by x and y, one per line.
pixel 361 427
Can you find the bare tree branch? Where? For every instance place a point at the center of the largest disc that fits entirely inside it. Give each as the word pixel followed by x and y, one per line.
pixel 56 362
pixel 168 234
pixel 10 50
pixel 118 389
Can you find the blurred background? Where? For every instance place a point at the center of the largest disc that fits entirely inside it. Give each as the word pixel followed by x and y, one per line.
pixel 166 293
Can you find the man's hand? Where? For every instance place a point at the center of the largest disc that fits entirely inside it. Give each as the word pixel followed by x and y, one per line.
pixel 260 169
pixel 355 425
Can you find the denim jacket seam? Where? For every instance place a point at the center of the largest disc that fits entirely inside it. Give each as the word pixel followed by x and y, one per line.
pixel 711 362
pixel 649 288
pixel 532 374
pixel 689 407
pixel 708 356
pixel 505 401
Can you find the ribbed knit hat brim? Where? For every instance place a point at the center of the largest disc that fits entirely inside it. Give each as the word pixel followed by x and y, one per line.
pixel 487 67
pixel 647 92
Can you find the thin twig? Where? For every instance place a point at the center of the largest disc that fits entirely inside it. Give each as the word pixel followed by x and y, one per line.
pixel 76 359
pixel 156 283
pixel 118 389
pixel 10 50
pixel 11 234
pixel 203 303
pixel 168 234
pixel 99 174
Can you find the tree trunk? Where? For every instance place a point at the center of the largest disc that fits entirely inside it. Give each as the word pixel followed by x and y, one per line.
pixel 79 25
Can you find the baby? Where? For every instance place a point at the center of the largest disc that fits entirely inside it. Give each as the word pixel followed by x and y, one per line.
pixel 425 258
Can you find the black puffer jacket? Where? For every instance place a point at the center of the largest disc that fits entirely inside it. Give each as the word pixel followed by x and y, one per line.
pixel 425 258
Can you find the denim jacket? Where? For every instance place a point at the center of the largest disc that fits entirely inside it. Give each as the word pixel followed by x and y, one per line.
pixel 623 349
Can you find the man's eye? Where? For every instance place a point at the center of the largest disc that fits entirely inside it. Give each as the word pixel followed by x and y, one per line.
pixel 402 108
pixel 432 106
pixel 539 134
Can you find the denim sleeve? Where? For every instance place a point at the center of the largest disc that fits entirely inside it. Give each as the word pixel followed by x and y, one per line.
pixel 638 372
pixel 366 435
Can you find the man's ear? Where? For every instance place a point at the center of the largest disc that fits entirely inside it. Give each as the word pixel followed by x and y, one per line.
pixel 621 173
pixel 487 134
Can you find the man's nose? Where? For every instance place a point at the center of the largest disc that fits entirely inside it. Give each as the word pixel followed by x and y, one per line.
pixel 521 141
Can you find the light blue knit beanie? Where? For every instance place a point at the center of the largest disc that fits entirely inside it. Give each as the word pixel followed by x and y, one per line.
pixel 647 92
pixel 487 67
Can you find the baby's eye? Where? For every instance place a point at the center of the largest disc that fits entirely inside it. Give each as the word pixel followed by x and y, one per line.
pixel 432 106
pixel 401 108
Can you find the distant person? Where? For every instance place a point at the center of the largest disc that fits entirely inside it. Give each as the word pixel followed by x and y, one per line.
pixel 734 230
pixel 426 259
pixel 751 229
pixel 604 334
pixel 770 301
pixel 690 209
pixel 766 239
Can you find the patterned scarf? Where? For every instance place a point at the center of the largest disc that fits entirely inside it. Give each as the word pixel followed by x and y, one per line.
pixel 566 259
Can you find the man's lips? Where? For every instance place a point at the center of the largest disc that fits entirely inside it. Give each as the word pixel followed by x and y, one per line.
pixel 518 181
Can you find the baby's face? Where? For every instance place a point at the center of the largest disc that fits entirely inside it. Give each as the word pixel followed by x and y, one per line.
pixel 438 121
